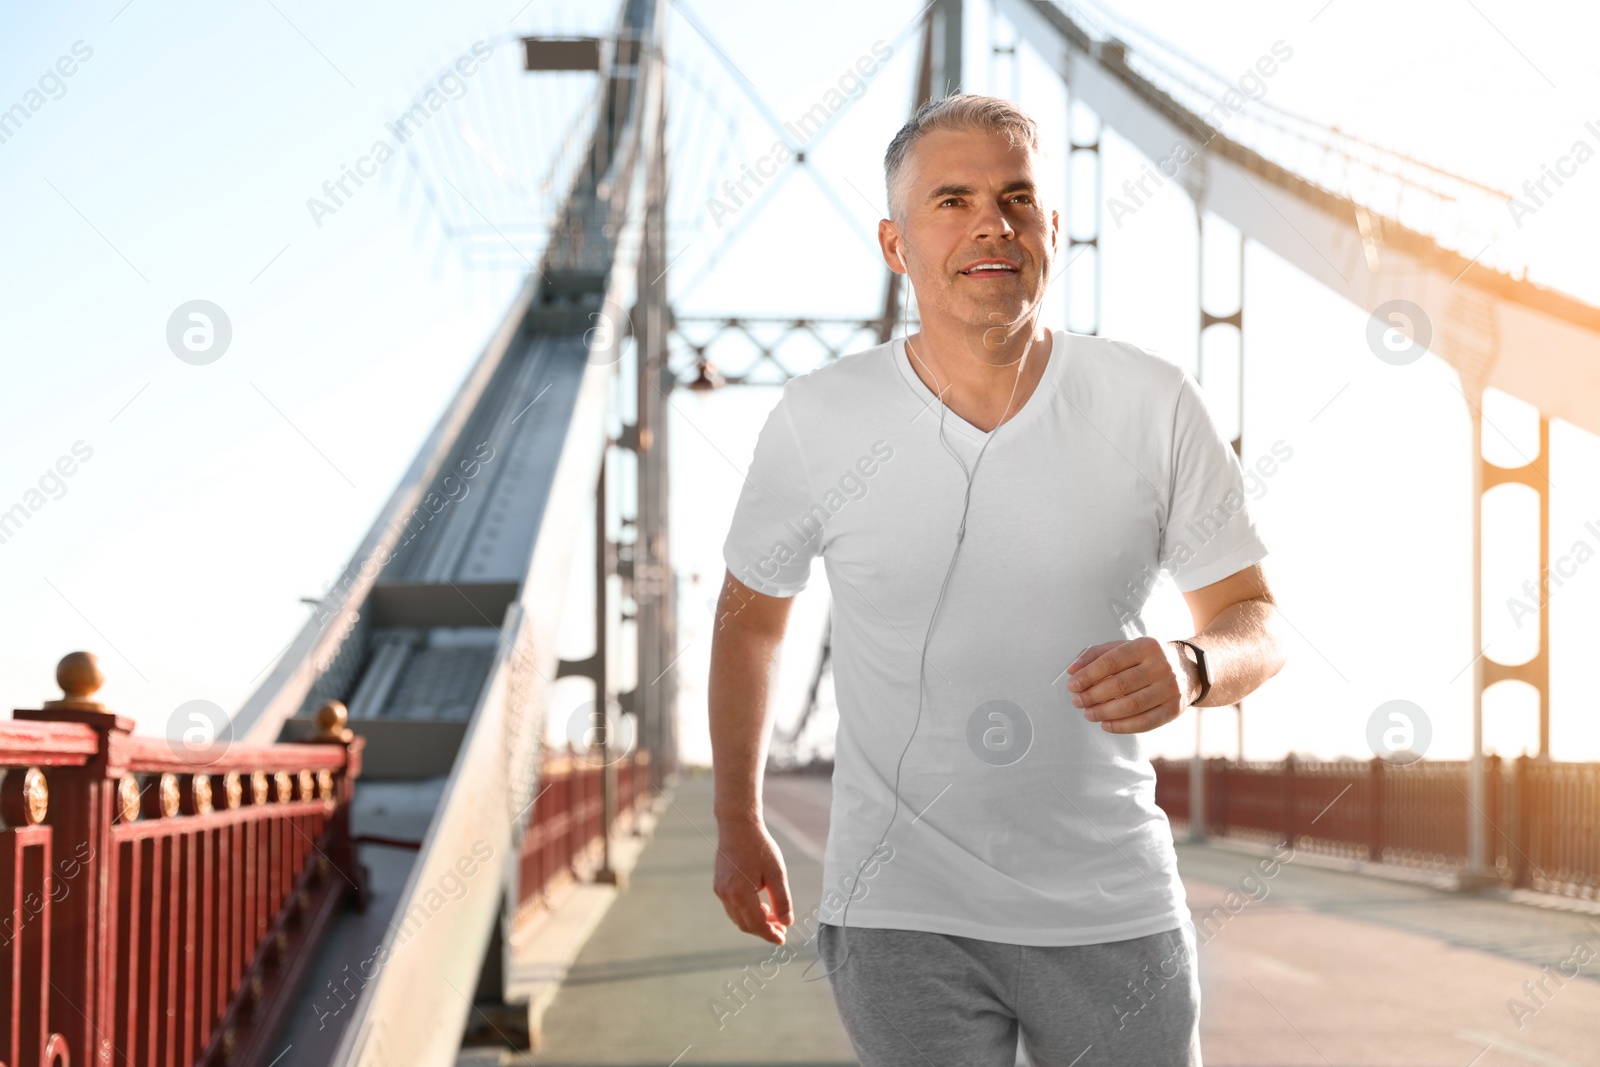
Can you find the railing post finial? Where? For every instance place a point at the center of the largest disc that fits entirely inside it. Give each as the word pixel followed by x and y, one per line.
pixel 331 719
pixel 79 676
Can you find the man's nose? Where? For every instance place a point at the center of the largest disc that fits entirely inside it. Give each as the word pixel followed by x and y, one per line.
pixel 993 223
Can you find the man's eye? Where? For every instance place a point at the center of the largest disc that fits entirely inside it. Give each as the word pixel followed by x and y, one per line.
pixel 947 200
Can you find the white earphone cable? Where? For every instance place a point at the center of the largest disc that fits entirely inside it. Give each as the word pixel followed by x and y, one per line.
pixel 961 532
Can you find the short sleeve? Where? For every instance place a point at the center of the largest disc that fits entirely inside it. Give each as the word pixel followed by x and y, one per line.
pixel 1209 533
pixel 771 540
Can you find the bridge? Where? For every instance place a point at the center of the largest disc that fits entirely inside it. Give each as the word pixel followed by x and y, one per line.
pixel 384 860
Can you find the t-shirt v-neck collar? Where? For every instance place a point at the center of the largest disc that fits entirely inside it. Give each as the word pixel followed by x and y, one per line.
pixel 926 396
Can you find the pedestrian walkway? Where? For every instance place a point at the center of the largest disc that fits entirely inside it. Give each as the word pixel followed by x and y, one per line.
pixel 667 978
pixel 1299 964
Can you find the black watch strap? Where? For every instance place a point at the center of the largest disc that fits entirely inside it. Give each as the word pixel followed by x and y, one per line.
pixel 1205 673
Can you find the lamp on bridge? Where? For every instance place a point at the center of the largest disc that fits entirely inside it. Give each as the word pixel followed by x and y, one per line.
pixel 706 377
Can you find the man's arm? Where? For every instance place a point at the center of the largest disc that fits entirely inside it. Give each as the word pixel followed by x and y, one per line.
pixel 1138 685
pixel 744 645
pixel 1237 623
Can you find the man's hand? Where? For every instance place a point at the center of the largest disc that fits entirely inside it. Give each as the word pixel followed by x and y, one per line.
pixel 1131 686
pixel 748 861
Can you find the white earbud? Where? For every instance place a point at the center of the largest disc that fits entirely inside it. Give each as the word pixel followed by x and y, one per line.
pixel 902 257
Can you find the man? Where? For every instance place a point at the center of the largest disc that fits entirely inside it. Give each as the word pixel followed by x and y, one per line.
pixel 994 838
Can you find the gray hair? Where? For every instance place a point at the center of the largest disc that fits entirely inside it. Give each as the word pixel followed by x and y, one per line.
pixel 960 111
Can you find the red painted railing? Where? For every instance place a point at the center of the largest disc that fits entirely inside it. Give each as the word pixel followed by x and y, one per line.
pixel 159 907
pixel 1544 817
pixel 566 827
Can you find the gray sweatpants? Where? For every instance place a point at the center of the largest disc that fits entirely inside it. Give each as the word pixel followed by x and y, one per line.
pixel 914 999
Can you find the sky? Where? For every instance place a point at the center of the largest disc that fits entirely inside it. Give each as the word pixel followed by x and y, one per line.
pixel 189 156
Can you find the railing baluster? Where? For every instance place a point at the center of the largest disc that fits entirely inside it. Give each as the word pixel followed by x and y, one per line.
pixel 280 860
pixel 249 860
pixel 249 891
pixel 25 886
pixel 171 949
pixel 265 845
pixel 206 950
pixel 188 987
pixel 148 907
pixel 129 932
pixel 229 893
pixel 12 982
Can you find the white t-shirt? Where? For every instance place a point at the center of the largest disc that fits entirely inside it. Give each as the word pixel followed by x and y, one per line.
pixel 1019 820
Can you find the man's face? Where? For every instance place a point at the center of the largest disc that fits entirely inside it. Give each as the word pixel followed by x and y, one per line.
pixel 977 241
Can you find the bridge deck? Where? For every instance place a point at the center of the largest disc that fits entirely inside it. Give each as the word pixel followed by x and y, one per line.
pixel 1327 967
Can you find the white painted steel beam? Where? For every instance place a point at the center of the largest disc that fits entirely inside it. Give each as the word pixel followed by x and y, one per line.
pixel 1535 343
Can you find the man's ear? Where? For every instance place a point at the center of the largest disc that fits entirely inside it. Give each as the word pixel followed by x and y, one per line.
pixel 889 233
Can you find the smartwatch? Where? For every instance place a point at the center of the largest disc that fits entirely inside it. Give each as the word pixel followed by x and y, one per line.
pixel 1205 675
